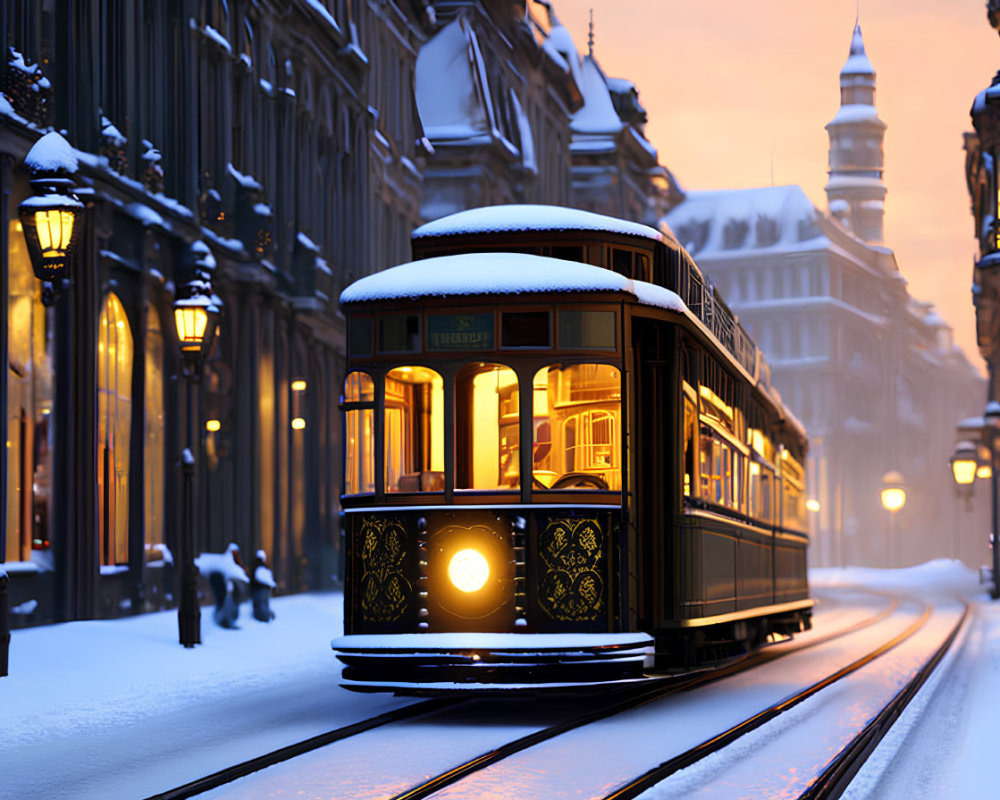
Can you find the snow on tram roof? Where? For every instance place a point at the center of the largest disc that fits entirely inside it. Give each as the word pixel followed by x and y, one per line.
pixel 483 273
pixel 496 219
pixel 500 273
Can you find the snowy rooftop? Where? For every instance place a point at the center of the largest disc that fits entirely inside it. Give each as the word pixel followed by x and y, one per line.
pixel 717 222
pixel 496 219
pixel 598 115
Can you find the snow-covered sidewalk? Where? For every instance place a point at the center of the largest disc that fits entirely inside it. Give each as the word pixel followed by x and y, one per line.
pixel 118 709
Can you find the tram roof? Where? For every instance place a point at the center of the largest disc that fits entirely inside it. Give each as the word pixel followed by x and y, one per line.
pixel 499 274
pixel 541 218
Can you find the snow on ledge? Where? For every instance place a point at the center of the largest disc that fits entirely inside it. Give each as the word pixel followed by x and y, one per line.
pixel 515 217
pixel 530 642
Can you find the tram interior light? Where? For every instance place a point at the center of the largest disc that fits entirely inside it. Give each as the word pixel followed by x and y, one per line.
pixel 468 570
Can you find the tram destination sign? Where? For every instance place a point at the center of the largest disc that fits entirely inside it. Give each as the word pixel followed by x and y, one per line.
pixel 460 331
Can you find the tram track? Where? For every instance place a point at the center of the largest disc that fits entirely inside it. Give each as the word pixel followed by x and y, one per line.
pixel 667 687
pixel 624 700
pixel 248 767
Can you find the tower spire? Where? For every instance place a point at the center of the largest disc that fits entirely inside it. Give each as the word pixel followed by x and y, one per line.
pixel 590 35
pixel 855 190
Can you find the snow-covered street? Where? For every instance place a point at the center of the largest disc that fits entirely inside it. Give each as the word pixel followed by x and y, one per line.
pixel 119 709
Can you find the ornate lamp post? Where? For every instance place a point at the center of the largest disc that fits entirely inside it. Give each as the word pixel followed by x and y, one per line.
pixel 991 430
pixel 52 217
pixel 196 312
pixel 893 496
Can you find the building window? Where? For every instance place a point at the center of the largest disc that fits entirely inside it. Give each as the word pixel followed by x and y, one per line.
pixel 154 480
pixel 114 422
pixel 30 380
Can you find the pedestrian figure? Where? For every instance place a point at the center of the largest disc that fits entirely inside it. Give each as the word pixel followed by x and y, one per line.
pixel 226 576
pixel 261 586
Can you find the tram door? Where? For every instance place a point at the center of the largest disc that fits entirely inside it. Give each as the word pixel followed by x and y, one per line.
pixel 655 441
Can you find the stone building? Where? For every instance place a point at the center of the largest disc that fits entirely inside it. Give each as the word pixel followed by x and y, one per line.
pixel 260 142
pixel 872 373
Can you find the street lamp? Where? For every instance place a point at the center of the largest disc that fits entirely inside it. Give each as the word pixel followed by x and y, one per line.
pixel 893 497
pixel 196 312
pixel 52 217
pixel 991 427
pixel 965 466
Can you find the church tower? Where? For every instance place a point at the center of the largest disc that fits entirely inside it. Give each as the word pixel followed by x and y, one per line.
pixel 855 191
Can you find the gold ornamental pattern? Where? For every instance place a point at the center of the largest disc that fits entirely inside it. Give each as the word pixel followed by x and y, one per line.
pixel 385 590
pixel 572 554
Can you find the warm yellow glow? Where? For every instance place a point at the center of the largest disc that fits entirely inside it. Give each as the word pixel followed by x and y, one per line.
pixel 298 385
pixel 212 425
pixel 982 472
pixel 812 504
pixel 468 570
pixel 757 440
pixel 893 498
pixel 55 227
pixel 191 322
pixel 298 424
pixel 964 470
pixel 18 226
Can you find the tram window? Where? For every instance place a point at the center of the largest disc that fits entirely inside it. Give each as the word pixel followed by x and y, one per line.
pixel 567 253
pixel 690 442
pixel 487 431
pixel 586 330
pixel 399 333
pixel 414 430
pixel 641 272
pixel 360 336
pixel 576 414
pixel 525 329
pixel 739 487
pixel 766 495
pixel 621 262
pixel 359 469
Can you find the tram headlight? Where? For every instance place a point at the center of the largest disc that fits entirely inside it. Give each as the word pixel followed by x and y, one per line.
pixel 468 570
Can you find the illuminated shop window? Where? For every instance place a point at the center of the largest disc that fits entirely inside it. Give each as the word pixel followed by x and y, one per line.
pixel 577 425
pixel 154 481
pixel 114 420
pixel 30 381
pixel 414 430
pixel 487 434
pixel 793 491
pixel 359 469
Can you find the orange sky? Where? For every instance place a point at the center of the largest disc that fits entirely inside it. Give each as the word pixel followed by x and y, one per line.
pixel 735 89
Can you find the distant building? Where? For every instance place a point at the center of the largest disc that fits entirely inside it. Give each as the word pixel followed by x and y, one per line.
pixel 873 374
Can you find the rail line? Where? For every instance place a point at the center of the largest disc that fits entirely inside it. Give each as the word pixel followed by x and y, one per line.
pixel 241 770
pixel 625 700
pixel 664 688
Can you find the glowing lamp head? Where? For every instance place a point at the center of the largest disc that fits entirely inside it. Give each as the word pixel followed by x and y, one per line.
pixel 468 570
pixel 191 322
pixel 195 315
pixel 812 505
pixel 965 463
pixel 51 224
pixel 893 494
pixel 298 424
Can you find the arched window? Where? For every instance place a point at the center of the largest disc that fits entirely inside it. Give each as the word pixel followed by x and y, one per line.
pixel 114 421
pixel 154 480
pixel 414 430
pixel 358 404
pixel 487 440
pixel 30 381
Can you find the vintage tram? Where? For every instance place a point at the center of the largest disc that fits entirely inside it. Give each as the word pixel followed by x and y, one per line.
pixel 564 463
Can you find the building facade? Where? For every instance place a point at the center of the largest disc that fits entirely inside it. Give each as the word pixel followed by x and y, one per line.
pixel 873 374
pixel 248 138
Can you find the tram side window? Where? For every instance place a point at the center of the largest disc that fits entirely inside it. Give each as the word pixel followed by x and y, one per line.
pixel 577 427
pixel 359 420
pixel 690 443
pixel 414 430
pixel 487 428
